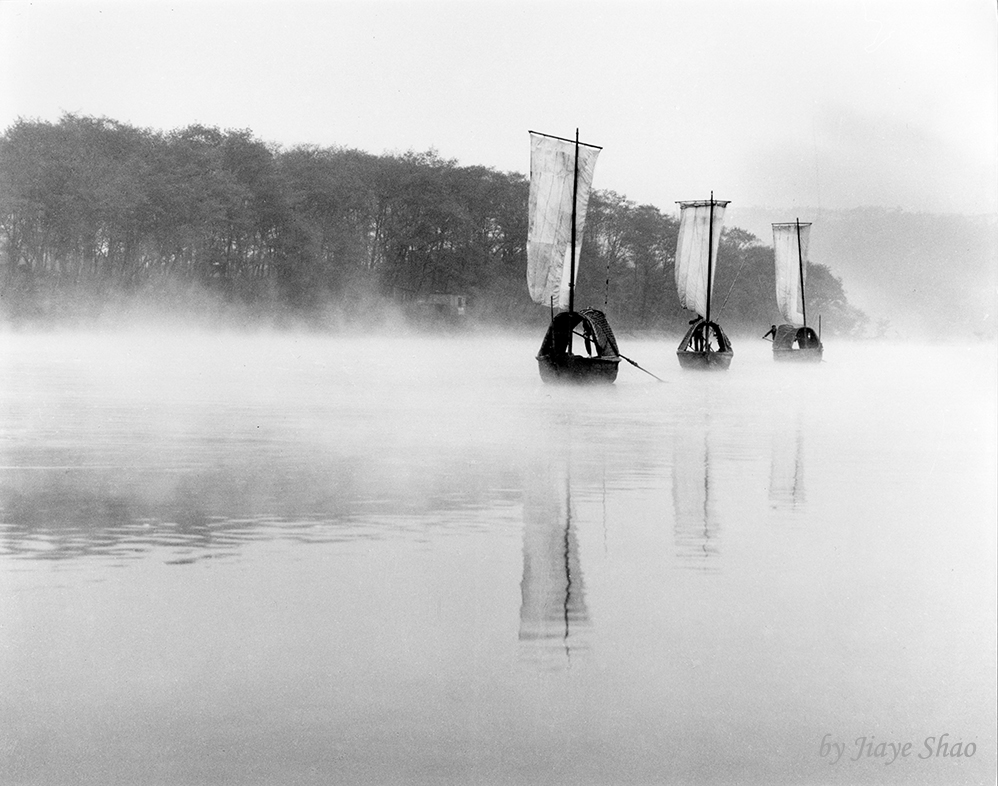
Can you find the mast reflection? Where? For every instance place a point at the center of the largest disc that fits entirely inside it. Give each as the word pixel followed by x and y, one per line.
pixel 786 476
pixel 553 613
pixel 693 495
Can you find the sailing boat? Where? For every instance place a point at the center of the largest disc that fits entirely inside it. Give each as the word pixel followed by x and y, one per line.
pixel 793 340
pixel 704 346
pixel 561 175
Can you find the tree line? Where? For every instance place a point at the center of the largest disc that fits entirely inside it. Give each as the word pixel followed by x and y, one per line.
pixel 96 214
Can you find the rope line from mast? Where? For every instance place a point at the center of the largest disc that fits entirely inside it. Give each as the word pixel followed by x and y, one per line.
pixel 606 291
pixel 732 287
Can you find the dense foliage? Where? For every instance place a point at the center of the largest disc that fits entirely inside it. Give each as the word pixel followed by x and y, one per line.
pixel 98 216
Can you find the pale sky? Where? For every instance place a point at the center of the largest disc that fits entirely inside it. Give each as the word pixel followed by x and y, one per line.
pixel 767 103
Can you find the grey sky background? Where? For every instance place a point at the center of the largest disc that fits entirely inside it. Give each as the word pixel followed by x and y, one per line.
pixel 769 104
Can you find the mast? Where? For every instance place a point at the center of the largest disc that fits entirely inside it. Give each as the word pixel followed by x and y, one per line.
pixel 710 251
pixel 575 194
pixel 571 270
pixel 800 262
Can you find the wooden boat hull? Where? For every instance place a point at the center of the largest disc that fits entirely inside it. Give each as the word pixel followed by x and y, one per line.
pixel 573 369
pixel 705 361
pixel 557 362
pixel 696 350
pixel 805 355
pixel 792 344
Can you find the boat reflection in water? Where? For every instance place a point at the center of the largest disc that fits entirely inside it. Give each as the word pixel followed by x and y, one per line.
pixel 786 477
pixel 553 613
pixel 693 496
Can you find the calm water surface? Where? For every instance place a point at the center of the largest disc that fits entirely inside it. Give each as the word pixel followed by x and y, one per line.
pixel 263 559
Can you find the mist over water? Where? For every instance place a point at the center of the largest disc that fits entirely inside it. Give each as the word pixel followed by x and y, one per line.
pixel 290 558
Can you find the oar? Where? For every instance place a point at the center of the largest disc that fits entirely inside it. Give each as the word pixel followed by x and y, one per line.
pixel 642 369
pixel 624 357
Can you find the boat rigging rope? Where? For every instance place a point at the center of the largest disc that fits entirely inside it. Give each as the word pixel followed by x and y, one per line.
pixel 606 291
pixel 737 273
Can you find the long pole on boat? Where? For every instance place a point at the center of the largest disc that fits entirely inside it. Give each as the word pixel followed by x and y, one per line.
pixel 710 252
pixel 624 357
pixel 800 261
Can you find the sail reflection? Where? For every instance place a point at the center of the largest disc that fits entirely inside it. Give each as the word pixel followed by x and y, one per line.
pixel 553 613
pixel 694 496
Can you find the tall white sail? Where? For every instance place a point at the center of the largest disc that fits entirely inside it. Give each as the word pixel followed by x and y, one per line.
pixel 549 227
pixel 791 260
pixel 698 239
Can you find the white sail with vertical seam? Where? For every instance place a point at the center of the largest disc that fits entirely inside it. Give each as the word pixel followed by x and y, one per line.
pixel 697 240
pixel 549 222
pixel 791 260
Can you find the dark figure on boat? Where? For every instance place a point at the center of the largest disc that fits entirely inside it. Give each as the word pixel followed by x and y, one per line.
pixel 704 336
pixel 557 361
pixel 705 346
pixel 787 336
pixel 796 343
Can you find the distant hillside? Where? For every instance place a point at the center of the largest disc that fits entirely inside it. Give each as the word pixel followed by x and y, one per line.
pixel 925 273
